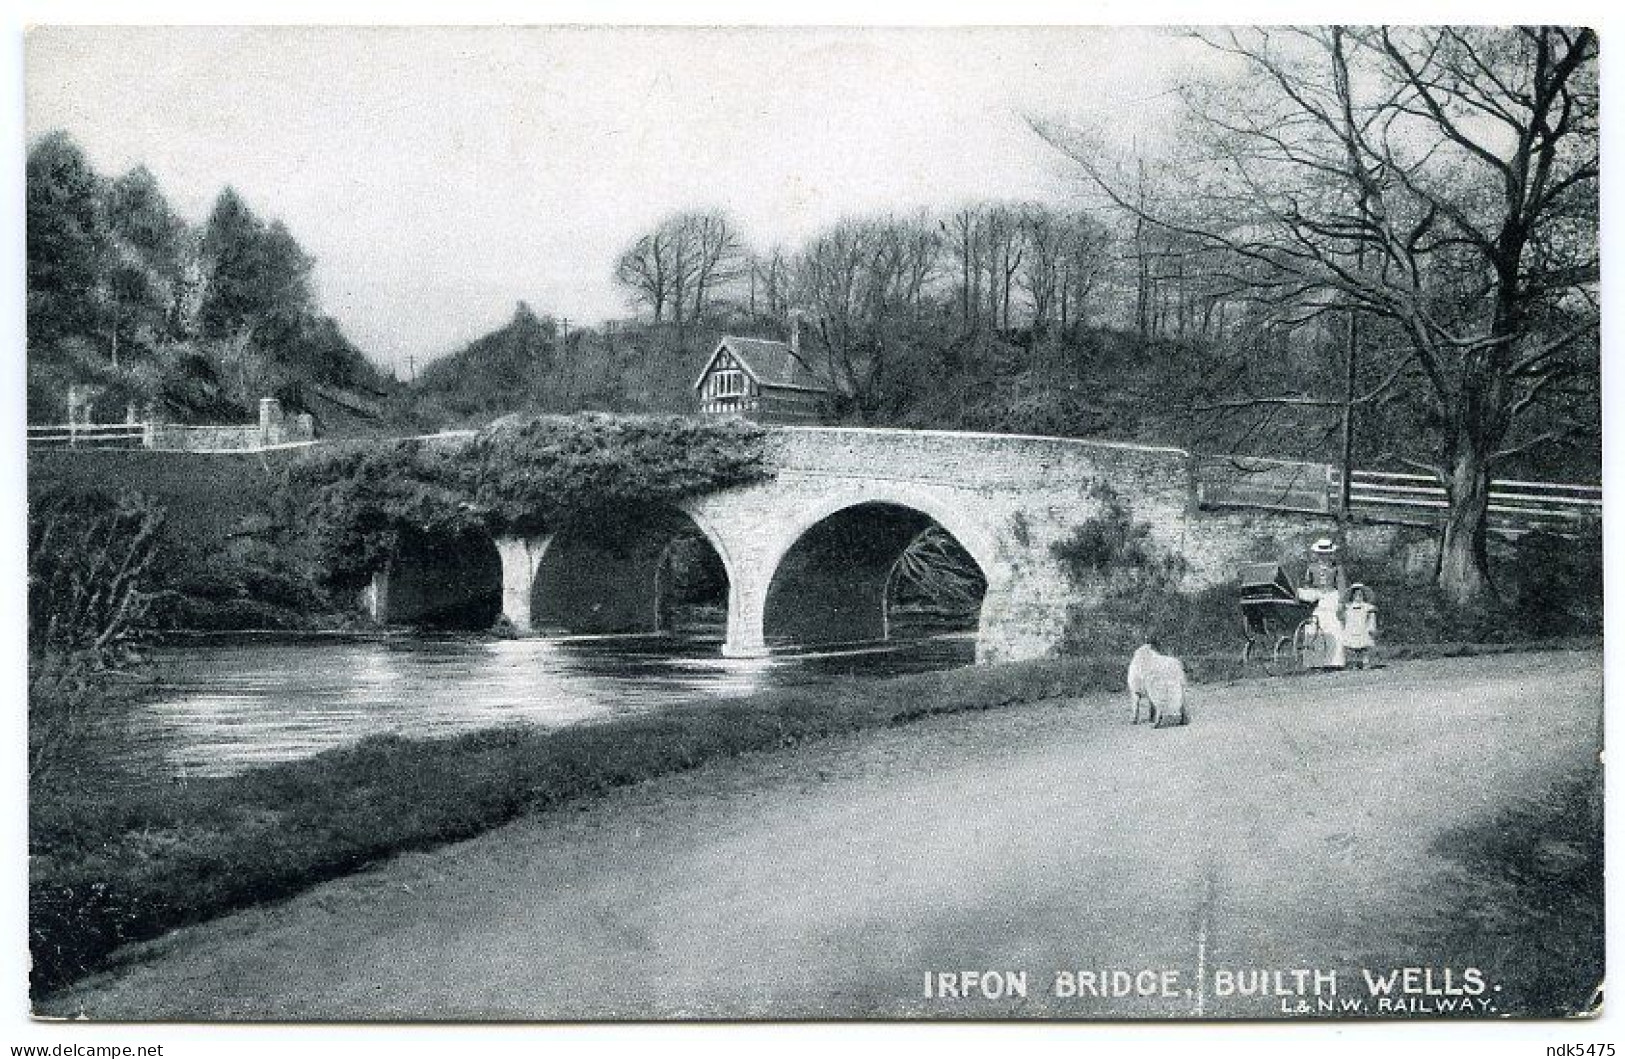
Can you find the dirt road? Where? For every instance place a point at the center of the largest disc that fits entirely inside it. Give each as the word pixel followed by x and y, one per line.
pixel 1292 826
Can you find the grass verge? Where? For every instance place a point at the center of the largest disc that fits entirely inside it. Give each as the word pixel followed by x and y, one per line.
pixel 1533 889
pixel 119 863
pixel 113 864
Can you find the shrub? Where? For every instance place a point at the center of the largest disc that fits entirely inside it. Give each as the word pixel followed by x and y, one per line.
pixel 87 557
pixel 1555 583
pixel 1116 551
pixel 359 505
pixel 356 503
pixel 1126 582
pixel 1549 586
pixel 532 474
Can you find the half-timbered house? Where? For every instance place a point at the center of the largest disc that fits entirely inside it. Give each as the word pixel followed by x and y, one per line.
pixel 762 379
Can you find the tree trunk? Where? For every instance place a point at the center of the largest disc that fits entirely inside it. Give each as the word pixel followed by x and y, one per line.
pixel 1472 440
pixel 1464 556
pixel 1479 428
pixel 964 290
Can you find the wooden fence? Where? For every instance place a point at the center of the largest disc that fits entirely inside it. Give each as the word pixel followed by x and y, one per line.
pixel 88 435
pixel 166 437
pixel 1516 505
pixel 1258 482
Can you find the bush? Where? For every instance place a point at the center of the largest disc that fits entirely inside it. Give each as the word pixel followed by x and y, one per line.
pixel 88 555
pixel 356 503
pixel 250 582
pixel 1555 583
pixel 1127 583
pixel 1128 593
pixel 1550 587
pixel 530 475
pixel 361 504
pixel 89 609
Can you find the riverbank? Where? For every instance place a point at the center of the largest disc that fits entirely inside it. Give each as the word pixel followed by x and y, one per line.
pixel 124 863
pixel 1421 815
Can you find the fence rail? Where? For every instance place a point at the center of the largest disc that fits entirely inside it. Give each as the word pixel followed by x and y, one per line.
pixel 168 437
pixel 89 435
pixel 1277 485
pixel 1515 505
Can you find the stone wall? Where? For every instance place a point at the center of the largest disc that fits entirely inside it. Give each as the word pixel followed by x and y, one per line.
pixel 274 428
pixel 1218 541
pixel 176 437
pixel 1007 499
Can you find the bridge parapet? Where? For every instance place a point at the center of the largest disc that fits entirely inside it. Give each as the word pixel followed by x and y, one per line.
pixel 972 460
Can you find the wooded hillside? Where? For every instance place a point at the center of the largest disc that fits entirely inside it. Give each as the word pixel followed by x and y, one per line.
pixel 203 321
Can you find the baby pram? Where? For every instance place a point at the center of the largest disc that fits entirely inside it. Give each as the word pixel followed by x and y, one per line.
pixel 1271 611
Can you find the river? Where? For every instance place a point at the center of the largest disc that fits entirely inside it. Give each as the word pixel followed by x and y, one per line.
pixel 223 706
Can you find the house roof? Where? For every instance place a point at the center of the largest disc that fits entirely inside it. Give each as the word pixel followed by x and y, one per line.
pixel 769 362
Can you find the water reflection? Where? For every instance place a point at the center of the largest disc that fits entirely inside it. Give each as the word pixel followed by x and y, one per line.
pixel 223 707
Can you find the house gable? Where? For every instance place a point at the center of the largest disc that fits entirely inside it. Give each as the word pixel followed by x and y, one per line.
pixel 723 358
pixel 769 364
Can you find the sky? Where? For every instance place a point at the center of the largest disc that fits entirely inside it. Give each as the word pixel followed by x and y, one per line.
pixel 439 176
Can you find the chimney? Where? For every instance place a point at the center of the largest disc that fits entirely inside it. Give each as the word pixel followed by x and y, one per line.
pixel 795 333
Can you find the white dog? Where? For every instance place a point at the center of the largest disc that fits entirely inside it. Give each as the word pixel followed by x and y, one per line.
pixel 1159 681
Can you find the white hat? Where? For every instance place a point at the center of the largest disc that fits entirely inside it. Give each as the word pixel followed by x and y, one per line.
pixel 1324 546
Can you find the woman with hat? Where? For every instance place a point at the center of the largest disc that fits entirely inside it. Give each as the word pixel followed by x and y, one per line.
pixel 1325 572
pixel 1324 583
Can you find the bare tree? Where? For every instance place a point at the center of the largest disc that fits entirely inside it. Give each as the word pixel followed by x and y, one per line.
pixel 1441 181
pixel 834 280
pixel 857 280
pixel 1005 249
pixel 1084 258
pixel 1045 236
pixel 682 265
pixel 964 233
pixel 645 269
pixel 769 278
pixel 919 248
pixel 713 248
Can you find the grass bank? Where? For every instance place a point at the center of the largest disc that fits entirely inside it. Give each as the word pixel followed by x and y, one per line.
pixel 1533 880
pixel 123 863
pixel 119 863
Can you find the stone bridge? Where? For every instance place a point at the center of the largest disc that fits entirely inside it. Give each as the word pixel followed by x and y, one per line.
pixel 809 554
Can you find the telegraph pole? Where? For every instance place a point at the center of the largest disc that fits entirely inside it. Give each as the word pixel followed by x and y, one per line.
pixel 1351 338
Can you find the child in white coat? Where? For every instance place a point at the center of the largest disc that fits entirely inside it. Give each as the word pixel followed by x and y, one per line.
pixel 1359 626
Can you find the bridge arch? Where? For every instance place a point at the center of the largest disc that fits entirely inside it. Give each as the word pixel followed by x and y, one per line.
pixel 965 527
pixel 439 581
pixel 621 570
pixel 824 570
